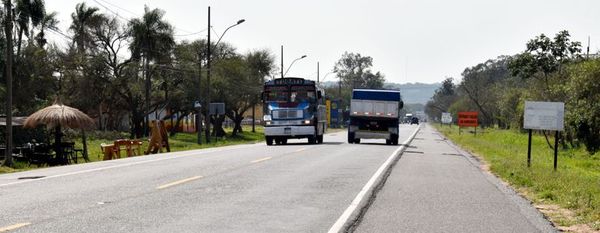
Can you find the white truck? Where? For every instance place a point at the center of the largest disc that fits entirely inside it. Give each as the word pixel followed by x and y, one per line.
pixel 374 114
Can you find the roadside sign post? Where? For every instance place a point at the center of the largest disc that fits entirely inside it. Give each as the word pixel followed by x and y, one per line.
pixel 467 119
pixel 198 107
pixel 446 118
pixel 544 116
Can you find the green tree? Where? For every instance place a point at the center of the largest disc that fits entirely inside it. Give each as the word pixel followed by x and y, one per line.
pixel 355 71
pixel 28 13
pixel 584 102
pixel 49 21
pixel 152 40
pixel 442 99
pixel 83 20
pixel 543 57
pixel 482 83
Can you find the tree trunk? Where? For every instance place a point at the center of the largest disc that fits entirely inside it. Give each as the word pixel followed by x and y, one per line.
pixel 9 60
pixel 218 126
pixel 19 42
pixel 237 128
pixel 100 118
pixel 177 123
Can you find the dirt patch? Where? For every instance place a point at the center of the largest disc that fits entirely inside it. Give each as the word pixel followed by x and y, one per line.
pixel 560 215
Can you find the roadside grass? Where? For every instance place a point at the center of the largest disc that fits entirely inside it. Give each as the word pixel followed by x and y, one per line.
pixel 182 141
pixel 575 185
pixel 179 142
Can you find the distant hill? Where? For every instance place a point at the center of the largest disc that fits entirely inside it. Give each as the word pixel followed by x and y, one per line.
pixel 412 93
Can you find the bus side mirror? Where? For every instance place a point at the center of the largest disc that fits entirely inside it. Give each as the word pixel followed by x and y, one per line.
pixel 262 96
pixel 319 95
pixel 401 104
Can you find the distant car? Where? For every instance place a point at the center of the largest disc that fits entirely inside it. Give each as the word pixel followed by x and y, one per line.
pixel 414 120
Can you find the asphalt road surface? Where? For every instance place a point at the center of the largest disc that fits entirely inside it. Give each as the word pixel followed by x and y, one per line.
pixel 437 187
pixel 247 188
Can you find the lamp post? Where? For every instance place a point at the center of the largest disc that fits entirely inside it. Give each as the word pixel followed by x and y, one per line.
pixel 288 69
pixel 208 60
pixel 324 77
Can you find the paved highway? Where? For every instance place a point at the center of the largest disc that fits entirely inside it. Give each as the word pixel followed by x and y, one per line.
pixel 246 188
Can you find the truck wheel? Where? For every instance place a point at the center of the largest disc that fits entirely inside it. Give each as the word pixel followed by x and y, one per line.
pixel 388 141
pixel 284 141
pixel 320 139
pixel 350 138
pixel 269 141
pixel 278 141
pixel 312 140
pixel 357 140
pixel 394 139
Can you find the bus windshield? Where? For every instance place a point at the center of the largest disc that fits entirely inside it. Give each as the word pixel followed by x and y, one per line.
pixel 295 94
pixel 300 94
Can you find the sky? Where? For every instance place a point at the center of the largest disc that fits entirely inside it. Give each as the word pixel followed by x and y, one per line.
pixel 410 41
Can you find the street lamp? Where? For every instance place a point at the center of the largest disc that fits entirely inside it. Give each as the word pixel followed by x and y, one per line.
pixel 208 59
pixel 58 76
pixel 288 69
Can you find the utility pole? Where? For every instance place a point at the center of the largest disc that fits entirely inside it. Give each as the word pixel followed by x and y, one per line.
pixel 207 106
pixel 9 60
pixel 340 88
pixel 282 61
pixel 588 48
pixel 199 109
pixel 317 72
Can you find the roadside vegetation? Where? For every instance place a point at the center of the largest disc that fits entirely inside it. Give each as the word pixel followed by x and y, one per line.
pixel 177 142
pixel 550 70
pixel 575 186
pixel 119 71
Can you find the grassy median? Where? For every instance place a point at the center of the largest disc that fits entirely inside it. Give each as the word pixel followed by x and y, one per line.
pixel 570 196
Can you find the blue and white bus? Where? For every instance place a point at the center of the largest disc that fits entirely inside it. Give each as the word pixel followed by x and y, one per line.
pixel 293 108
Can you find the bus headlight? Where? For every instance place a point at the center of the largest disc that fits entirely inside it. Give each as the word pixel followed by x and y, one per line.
pixel 267 122
pixel 307 122
pixel 267 118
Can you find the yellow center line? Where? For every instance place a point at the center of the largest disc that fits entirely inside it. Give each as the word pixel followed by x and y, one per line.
pixel 260 160
pixel 164 186
pixel 14 227
pixel 300 150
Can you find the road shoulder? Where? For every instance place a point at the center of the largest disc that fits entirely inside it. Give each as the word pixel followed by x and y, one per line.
pixel 438 187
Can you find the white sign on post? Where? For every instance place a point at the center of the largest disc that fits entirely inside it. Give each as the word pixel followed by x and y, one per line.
pixel 544 115
pixel 446 118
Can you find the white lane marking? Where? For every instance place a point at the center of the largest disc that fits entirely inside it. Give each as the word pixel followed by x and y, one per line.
pixel 164 186
pixel 368 188
pixel 176 156
pixel 14 227
pixel 260 160
pixel 300 150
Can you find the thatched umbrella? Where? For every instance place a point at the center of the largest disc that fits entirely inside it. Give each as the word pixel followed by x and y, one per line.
pixel 57 116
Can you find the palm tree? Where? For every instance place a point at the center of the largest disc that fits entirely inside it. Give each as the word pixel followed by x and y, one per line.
pixel 152 41
pixel 26 12
pixel 49 21
pixel 84 19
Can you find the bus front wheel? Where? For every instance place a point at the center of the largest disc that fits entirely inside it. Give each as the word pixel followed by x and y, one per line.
pixel 269 141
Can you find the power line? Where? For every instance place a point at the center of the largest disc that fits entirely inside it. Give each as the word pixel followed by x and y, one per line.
pixel 128 20
pixel 117 6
